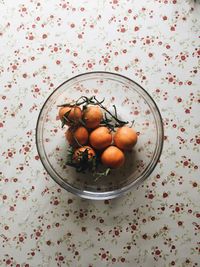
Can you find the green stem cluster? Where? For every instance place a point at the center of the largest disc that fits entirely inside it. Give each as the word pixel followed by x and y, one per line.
pixel 85 101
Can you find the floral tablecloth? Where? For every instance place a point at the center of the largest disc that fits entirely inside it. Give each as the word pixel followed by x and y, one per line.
pixel 156 43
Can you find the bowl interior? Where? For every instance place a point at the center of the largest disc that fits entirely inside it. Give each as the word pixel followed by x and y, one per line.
pixel 132 103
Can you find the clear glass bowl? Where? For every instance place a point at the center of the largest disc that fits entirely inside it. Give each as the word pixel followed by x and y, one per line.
pixel 133 103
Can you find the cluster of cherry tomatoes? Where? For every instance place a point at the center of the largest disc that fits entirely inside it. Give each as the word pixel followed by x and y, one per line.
pixel 89 137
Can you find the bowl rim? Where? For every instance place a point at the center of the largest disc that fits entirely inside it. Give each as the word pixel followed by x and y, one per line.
pixel 118 192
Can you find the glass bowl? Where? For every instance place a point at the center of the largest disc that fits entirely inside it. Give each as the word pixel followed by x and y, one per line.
pixel 133 103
